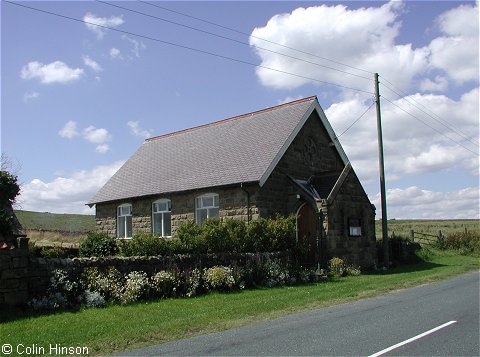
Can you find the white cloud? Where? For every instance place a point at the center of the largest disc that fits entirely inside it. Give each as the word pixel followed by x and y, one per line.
pixel 368 39
pixel 96 136
pixel 102 148
pixel 66 194
pixel 95 23
pixel 92 64
pixel 91 134
pixel 115 53
pixel 55 72
pixel 411 148
pixel 137 45
pixel 364 37
pixel 30 96
pixel 439 84
pixel 137 131
pixel 69 130
pixel 413 202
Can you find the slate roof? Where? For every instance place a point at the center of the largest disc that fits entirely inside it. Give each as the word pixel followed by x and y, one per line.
pixel 242 149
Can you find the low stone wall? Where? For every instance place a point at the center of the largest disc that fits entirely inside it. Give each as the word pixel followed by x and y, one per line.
pixel 24 277
pixel 14 269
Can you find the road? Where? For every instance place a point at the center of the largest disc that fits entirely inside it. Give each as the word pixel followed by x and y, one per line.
pixel 440 319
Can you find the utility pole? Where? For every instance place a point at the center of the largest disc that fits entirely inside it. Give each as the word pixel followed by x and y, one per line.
pixel 383 196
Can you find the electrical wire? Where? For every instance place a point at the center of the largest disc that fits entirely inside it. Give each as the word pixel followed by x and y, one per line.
pixel 256 37
pixel 428 125
pixel 231 39
pixel 438 119
pixel 355 122
pixel 187 47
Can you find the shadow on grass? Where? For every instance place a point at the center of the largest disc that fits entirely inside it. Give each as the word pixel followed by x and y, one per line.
pixel 397 268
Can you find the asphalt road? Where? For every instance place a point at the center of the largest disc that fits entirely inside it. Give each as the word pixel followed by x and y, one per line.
pixel 362 328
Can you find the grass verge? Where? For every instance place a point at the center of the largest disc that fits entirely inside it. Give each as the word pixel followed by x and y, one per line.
pixel 119 328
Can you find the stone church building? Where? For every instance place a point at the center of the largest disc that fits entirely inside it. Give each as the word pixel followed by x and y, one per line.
pixel 284 159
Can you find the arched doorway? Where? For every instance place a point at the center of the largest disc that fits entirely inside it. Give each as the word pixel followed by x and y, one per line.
pixel 307 233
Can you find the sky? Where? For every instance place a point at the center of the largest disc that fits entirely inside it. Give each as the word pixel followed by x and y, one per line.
pixel 83 84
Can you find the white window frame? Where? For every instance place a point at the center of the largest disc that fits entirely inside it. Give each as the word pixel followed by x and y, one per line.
pixel 162 214
pixel 200 205
pixel 121 214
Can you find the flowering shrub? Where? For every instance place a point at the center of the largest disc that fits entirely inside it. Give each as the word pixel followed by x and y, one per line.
pixel 109 284
pixel 338 267
pixel 136 287
pixel 164 284
pixel 194 283
pixel 92 299
pixel 61 294
pixel 275 274
pixel 219 278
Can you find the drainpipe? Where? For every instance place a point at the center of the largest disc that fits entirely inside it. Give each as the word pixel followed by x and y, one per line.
pixel 248 202
pixel 319 236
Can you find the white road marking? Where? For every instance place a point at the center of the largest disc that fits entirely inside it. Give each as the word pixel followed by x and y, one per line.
pixel 403 343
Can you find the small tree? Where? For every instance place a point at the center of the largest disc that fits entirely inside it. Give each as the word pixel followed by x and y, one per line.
pixel 9 190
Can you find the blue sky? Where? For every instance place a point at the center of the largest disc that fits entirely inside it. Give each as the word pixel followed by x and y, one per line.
pixel 77 99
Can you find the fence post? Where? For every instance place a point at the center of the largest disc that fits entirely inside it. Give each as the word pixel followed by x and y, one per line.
pixel 440 236
pixel 412 235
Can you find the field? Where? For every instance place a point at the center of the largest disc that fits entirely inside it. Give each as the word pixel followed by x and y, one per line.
pixel 55 229
pixel 66 229
pixel 403 227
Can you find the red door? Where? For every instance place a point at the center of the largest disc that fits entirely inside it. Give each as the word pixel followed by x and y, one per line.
pixel 307 233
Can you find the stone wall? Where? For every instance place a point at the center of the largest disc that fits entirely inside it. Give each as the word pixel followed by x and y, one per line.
pixel 14 269
pixel 350 202
pixel 232 204
pixel 24 277
pixel 309 154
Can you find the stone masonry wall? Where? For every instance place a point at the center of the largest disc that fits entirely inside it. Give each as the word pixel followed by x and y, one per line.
pixel 309 154
pixel 350 202
pixel 232 204
pixel 14 268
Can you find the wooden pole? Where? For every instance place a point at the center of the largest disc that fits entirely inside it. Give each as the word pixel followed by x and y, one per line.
pixel 383 198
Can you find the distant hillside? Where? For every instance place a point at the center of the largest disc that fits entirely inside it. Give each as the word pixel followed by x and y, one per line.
pixel 73 223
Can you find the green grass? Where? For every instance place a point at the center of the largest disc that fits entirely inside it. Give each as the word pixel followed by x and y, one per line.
pixel 119 328
pixel 70 223
pixel 403 227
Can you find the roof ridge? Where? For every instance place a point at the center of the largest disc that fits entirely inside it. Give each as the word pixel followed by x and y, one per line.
pixel 231 119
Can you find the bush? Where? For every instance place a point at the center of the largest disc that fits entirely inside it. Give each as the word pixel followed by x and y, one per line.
pixel 137 287
pixel 109 284
pixel 62 293
pixel 219 278
pixel 194 284
pixel 463 242
pixel 98 245
pixel 216 236
pixel 189 235
pixel 165 284
pixel 281 232
pixel 52 252
pixel 256 236
pixel 144 244
pixel 338 267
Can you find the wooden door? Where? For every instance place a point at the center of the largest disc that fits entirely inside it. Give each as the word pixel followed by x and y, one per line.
pixel 307 233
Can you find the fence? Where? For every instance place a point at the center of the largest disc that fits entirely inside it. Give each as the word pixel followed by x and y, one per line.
pixel 425 238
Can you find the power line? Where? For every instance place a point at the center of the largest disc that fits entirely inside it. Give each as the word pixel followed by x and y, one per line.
pixel 187 47
pixel 360 117
pixel 428 125
pixel 230 39
pixel 438 119
pixel 256 37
